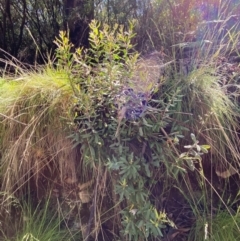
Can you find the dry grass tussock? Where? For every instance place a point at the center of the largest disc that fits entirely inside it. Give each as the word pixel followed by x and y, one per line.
pixel 216 119
pixel 34 110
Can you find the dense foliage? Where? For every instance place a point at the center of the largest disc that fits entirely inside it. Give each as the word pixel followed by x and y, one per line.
pixel 114 143
pixel 28 28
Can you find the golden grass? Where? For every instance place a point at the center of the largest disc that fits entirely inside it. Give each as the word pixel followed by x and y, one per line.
pixel 34 114
pixel 214 117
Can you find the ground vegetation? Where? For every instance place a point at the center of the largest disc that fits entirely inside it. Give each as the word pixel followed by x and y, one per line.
pixel 128 133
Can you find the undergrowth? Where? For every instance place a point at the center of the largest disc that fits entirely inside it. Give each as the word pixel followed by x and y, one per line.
pixel 223 226
pixel 65 127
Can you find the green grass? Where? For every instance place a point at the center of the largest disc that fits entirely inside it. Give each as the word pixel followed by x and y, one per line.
pixel 222 226
pixel 40 223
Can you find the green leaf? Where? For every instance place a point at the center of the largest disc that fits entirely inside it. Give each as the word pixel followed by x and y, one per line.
pixel 159 230
pixel 140 131
pixel 120 149
pixel 182 155
pixel 188 146
pixel 190 164
pixel 206 146
pixel 92 152
pixel 147 170
pixel 140 224
pixel 146 123
pixel 198 148
pixel 193 137
pixel 203 149
pixel 187 158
